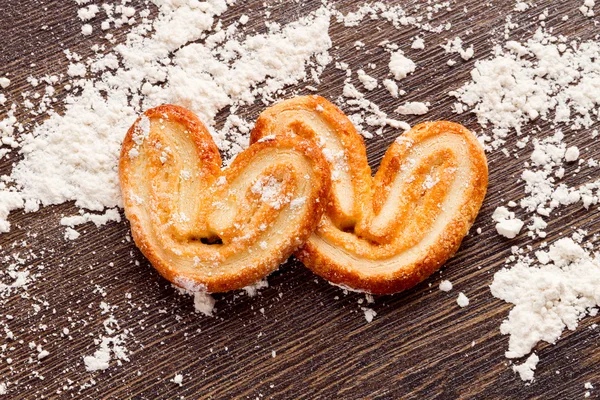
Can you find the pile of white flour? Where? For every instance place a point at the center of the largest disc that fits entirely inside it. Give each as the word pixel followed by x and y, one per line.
pixel 549 78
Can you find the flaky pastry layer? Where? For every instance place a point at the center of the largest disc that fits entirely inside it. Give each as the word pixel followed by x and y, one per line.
pixel 386 233
pixel 216 230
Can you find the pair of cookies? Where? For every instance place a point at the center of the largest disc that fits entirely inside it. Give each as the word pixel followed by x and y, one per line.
pixel 303 187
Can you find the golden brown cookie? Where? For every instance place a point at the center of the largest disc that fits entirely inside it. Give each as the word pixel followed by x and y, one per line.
pixel 386 233
pixel 204 228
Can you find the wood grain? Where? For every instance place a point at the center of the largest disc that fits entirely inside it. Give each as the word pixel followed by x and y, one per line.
pixel 420 344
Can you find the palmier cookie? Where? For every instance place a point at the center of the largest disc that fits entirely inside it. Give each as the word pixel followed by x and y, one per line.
pixel 204 228
pixel 385 234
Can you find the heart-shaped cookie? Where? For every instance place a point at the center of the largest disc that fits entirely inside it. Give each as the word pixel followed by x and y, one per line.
pixel 207 229
pixel 385 234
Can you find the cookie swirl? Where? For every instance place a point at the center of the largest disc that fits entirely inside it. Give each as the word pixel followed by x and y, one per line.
pixel 386 233
pixel 204 228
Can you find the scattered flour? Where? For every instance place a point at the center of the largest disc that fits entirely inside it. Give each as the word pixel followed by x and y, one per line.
pixel 550 294
pixel 368 82
pixel 392 13
pixel 111 214
pixel 526 81
pixel 587 8
pixel 462 300
pixel 369 314
pixel 552 285
pixel 400 66
pixel 178 379
pixel 445 286
pixel 252 290
pixel 413 108
pixel 88 13
pixel 59 166
pixel 204 303
pixel 187 56
pixel 526 369
pixel 86 30
pixel 391 87
pixel 418 44
pixel 365 112
pixel 521 6
pixel 110 347
pixel 456 46
pixel 572 154
pixel 509 228
pixel 506 223
pixel 71 234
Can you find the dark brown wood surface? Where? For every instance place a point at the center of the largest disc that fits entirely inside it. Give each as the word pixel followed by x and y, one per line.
pixel 420 345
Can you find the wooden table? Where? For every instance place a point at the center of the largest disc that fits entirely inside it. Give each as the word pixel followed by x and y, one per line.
pixel 420 345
